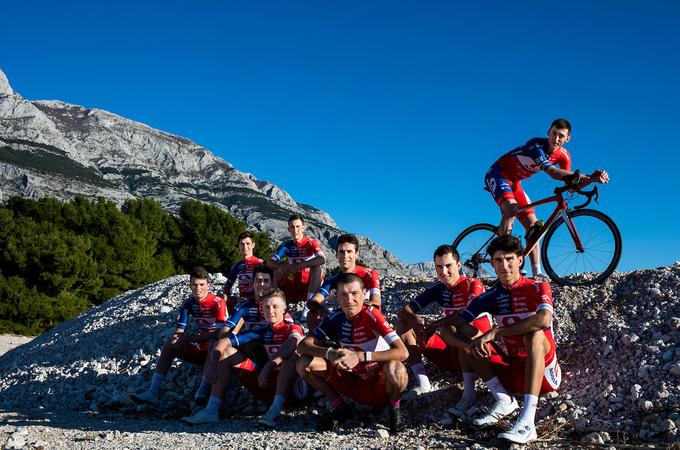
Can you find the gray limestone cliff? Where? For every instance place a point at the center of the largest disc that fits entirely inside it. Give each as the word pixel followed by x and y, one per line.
pixel 60 150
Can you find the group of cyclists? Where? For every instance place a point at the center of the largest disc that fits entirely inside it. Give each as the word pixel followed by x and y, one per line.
pixel 502 335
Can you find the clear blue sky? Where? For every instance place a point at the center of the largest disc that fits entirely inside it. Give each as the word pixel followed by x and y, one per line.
pixel 386 114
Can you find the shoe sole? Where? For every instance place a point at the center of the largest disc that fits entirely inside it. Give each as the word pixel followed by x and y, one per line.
pixel 511 438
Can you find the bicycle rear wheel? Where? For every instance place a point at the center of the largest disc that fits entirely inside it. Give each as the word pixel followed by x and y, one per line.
pixel 471 244
pixel 601 253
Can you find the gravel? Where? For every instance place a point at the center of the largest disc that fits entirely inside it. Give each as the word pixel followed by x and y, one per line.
pixel 618 345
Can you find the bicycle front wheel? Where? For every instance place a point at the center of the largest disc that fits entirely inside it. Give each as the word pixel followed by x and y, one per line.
pixel 471 244
pixel 602 244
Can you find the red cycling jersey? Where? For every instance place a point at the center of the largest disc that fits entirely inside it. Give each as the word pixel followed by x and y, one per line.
pixel 509 305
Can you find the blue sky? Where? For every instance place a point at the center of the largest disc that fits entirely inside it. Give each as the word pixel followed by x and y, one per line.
pixel 386 114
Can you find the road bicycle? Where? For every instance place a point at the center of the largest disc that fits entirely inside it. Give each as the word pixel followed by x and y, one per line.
pixel 580 246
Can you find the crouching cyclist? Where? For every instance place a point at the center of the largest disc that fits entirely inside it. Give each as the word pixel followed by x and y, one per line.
pixel 367 367
pixel 271 382
pixel 519 354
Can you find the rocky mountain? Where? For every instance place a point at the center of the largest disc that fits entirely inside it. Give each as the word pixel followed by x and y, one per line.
pixel 55 149
pixel 424 269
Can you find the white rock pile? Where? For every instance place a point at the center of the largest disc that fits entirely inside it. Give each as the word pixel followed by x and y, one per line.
pixel 618 344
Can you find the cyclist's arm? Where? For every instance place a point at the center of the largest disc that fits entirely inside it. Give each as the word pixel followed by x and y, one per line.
pixel 374 300
pixel 537 322
pixel 318 260
pixel 408 315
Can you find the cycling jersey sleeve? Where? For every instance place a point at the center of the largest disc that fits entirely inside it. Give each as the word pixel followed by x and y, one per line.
pixel 323 330
pixel 183 315
pixel 256 334
pixel 280 252
pixel 317 247
pixel 476 289
pixel 381 325
pixel 375 283
pixel 326 286
pixel 477 306
pixel 545 294
pixel 535 151
pixel 240 313
pixel 231 278
pixel 220 313
pixel 563 159
pixel 424 299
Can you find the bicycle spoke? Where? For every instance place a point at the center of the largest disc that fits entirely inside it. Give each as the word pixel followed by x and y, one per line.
pixel 600 242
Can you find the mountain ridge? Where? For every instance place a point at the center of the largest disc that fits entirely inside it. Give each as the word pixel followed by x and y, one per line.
pixel 50 148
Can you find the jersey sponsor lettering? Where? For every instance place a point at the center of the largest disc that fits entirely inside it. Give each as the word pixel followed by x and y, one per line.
pixel 451 300
pixel 368 331
pixel 252 314
pixel 370 278
pixel 530 158
pixel 242 273
pixel 209 314
pixel 270 336
pixel 509 305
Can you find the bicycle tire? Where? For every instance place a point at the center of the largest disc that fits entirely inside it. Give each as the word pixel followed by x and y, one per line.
pixel 599 258
pixel 471 245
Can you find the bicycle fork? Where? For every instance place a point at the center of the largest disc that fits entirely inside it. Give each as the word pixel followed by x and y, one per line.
pixel 572 230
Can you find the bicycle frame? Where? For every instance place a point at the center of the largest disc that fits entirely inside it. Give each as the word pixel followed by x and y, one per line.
pixel 560 212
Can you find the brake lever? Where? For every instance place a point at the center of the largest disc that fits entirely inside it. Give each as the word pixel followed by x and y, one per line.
pixel 590 194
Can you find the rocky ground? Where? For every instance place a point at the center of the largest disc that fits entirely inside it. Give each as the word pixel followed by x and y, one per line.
pixel 618 345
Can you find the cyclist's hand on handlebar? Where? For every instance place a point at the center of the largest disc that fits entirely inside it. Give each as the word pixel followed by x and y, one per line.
pixel 599 176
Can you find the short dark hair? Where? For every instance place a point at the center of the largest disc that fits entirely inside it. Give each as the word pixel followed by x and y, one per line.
pixel 263 269
pixel 506 243
pixel 446 249
pixel 245 234
pixel 347 278
pixel 199 272
pixel 561 123
pixel 275 293
pixel 295 217
pixel 347 239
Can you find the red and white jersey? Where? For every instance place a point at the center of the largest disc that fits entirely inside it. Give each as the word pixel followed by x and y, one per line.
pixel 270 336
pixel 370 278
pixel 298 251
pixel 367 331
pixel 530 158
pixel 509 305
pixel 209 314
pixel 452 300
pixel 242 272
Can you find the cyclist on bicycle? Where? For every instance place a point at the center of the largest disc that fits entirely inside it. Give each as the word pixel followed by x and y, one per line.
pixel 504 178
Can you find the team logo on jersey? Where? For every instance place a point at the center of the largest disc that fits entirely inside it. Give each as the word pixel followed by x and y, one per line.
pixel 529 164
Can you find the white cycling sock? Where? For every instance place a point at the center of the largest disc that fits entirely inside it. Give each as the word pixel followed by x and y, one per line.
pixel 469 385
pixel 528 414
pixel 498 391
pixel 420 375
pixel 213 406
pixel 536 269
pixel 156 382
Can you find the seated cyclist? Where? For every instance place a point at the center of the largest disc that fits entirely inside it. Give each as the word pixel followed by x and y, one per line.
pixel 504 178
pixel 452 293
pixel 519 354
pixel 270 381
pixel 347 252
pixel 355 352
pixel 209 313
pixel 301 276
pixel 242 272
